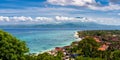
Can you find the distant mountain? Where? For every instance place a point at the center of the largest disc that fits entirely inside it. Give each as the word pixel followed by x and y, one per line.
pixel 63 25
pixel 68 25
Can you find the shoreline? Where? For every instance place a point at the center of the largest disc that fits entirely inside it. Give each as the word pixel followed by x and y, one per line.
pixel 77 38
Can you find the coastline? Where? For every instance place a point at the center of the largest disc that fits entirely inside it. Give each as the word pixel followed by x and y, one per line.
pixel 77 39
pixel 93 41
pixel 40 41
pixel 77 36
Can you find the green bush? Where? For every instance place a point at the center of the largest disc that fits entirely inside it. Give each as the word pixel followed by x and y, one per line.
pixel 11 48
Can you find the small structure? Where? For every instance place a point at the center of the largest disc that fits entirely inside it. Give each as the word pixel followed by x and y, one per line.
pixel 103 47
pixel 97 39
pixel 58 49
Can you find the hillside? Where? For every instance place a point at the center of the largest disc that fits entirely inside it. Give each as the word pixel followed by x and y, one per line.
pixel 103 44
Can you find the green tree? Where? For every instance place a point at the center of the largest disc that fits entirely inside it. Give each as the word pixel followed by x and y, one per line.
pixel 59 55
pixel 115 55
pixel 87 47
pixel 87 58
pixel 45 56
pixel 11 48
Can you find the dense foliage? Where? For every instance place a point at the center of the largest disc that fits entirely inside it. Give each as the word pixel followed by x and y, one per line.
pixel 11 48
pixel 87 58
pixel 110 36
pixel 87 49
pixel 44 56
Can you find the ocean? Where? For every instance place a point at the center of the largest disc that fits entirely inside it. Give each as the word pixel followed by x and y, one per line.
pixel 40 40
pixel 43 39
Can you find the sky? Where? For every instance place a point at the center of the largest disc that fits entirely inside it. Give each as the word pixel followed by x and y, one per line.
pixel 58 11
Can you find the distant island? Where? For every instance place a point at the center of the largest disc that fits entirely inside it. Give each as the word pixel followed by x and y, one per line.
pixel 93 45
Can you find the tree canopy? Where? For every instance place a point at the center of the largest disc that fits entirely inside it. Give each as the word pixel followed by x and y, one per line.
pixel 11 48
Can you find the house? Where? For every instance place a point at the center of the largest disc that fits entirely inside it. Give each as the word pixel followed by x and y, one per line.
pixel 97 39
pixel 103 47
pixel 58 48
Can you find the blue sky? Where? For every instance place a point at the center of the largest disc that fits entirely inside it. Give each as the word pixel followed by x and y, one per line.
pixel 99 11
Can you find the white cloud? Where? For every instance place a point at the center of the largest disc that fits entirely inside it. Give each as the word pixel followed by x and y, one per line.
pixel 71 2
pixel 57 19
pixel 2 18
pixel 42 18
pixel 71 19
pixel 91 4
pixel 105 8
pixel 63 18
pixel 21 18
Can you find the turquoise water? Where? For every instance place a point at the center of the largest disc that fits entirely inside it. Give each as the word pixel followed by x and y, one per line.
pixel 40 40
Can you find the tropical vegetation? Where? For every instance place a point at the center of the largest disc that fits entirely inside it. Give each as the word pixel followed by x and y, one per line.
pixel 95 45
